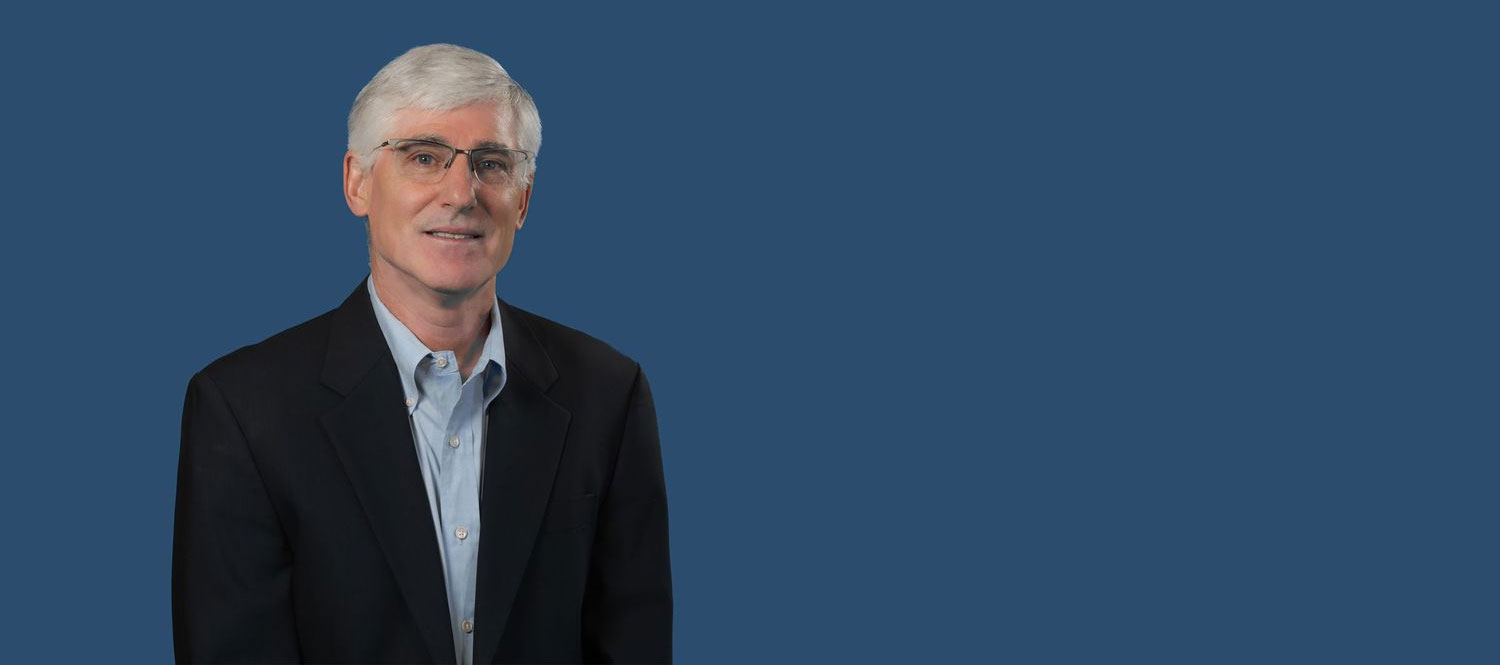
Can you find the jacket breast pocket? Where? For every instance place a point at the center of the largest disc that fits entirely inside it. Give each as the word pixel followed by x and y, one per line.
pixel 570 513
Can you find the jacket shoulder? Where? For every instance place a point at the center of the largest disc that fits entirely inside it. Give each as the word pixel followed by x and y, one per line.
pixel 576 354
pixel 292 354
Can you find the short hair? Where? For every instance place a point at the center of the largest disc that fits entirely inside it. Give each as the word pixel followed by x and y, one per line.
pixel 440 77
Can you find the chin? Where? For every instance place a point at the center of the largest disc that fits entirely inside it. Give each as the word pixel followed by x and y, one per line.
pixel 456 285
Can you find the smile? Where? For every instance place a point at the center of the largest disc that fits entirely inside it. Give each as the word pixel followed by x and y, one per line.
pixel 451 236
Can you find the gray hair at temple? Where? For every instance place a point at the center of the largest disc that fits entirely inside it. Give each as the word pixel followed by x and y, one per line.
pixel 440 77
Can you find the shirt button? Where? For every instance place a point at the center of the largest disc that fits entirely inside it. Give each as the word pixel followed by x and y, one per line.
pixel 410 401
pixel 462 532
pixel 442 361
pixel 453 442
pixel 468 626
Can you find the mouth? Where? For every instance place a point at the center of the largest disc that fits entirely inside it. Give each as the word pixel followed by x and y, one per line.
pixel 454 236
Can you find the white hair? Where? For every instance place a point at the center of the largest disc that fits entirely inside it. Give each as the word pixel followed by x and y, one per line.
pixel 440 77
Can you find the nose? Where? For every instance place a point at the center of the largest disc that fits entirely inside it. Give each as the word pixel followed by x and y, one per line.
pixel 458 184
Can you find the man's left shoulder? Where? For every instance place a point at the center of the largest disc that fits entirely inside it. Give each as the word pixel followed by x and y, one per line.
pixel 577 355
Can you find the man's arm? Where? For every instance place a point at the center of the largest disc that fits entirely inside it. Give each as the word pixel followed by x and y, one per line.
pixel 231 566
pixel 627 608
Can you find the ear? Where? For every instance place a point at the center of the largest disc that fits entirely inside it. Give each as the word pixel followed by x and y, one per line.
pixel 525 202
pixel 356 186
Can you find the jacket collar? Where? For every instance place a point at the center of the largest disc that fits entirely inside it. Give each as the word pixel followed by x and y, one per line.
pixel 372 435
pixel 356 344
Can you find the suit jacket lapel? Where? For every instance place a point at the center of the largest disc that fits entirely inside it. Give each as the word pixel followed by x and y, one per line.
pixel 527 430
pixel 372 436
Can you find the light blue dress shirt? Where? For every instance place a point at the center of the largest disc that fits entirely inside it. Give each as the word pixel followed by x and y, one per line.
pixel 448 427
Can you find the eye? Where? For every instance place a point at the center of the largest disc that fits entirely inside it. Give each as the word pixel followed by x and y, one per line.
pixel 421 155
pixel 494 162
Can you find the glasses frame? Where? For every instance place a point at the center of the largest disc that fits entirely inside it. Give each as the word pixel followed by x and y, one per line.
pixel 525 155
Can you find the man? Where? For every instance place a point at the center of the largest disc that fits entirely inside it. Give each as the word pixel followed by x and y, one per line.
pixel 425 473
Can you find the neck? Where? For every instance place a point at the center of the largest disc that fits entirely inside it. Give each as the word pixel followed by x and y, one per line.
pixel 442 321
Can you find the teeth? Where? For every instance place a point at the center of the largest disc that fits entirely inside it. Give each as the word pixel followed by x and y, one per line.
pixel 455 236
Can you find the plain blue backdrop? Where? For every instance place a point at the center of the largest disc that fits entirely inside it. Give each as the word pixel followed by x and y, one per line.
pixel 1092 333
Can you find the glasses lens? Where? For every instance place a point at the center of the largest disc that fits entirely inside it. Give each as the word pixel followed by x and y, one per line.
pixel 496 167
pixel 422 161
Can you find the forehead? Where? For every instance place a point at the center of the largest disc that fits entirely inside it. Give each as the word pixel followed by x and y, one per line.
pixel 469 126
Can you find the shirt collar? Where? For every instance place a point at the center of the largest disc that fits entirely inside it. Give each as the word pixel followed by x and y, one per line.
pixel 408 351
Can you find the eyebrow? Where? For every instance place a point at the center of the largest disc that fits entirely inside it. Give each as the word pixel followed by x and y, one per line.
pixel 483 145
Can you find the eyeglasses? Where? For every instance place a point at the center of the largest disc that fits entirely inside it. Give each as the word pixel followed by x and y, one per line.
pixel 424 161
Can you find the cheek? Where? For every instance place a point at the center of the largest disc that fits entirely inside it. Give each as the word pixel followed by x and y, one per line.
pixel 397 202
pixel 504 240
pixel 506 207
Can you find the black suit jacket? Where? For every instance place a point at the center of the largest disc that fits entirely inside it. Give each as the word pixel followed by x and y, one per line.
pixel 303 531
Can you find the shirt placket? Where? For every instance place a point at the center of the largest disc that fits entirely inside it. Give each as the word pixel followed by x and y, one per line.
pixel 465 462
pixel 458 496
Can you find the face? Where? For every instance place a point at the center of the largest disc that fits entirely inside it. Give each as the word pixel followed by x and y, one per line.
pixel 403 214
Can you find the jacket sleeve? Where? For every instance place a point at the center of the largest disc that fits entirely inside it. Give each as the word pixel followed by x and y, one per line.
pixel 231 564
pixel 627 607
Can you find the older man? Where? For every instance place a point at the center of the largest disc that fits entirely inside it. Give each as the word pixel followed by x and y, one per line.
pixel 425 473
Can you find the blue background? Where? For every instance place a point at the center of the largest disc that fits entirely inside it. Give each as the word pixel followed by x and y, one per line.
pixel 1091 333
